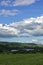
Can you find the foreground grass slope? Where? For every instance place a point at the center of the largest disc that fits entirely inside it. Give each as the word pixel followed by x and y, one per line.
pixel 21 59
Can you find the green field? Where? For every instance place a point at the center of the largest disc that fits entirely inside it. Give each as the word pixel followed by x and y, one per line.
pixel 21 59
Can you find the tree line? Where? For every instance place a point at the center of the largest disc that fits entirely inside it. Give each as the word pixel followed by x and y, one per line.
pixel 19 48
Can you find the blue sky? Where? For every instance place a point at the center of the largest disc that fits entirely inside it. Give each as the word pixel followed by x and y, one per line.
pixel 21 20
pixel 26 11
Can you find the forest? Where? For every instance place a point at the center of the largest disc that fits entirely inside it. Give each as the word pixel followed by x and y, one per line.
pixel 19 48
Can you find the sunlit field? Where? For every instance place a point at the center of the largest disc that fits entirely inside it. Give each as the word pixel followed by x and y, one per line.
pixel 21 59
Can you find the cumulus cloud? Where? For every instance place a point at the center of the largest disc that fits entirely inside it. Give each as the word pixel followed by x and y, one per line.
pixel 7 31
pixel 28 27
pixel 16 2
pixel 9 12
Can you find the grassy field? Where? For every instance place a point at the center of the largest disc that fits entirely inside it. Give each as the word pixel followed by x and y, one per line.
pixel 21 59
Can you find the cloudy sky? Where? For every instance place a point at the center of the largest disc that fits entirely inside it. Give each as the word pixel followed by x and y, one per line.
pixel 21 20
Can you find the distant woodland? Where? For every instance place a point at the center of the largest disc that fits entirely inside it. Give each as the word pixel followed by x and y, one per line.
pixel 18 47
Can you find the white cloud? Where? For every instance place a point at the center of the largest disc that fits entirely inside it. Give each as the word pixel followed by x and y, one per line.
pixel 8 31
pixel 5 3
pixel 28 27
pixel 9 12
pixel 16 2
pixel 34 41
pixel 23 2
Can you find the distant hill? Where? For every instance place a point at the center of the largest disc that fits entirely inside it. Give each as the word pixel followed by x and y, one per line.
pixel 18 44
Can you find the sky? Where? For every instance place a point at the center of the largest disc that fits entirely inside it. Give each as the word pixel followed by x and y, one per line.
pixel 21 21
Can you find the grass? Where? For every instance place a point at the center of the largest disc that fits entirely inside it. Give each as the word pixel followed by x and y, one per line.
pixel 21 59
